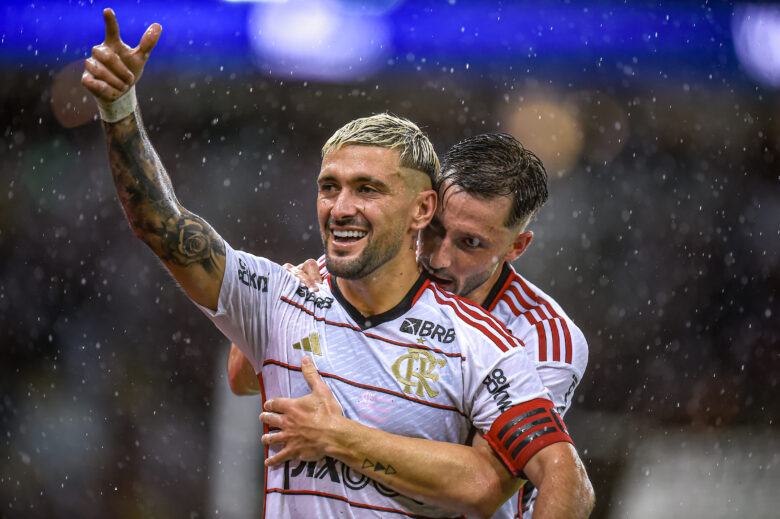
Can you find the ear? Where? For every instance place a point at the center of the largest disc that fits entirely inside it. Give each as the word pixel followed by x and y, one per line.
pixel 425 203
pixel 522 241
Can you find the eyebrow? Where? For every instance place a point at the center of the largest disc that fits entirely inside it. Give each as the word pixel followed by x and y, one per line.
pixel 362 179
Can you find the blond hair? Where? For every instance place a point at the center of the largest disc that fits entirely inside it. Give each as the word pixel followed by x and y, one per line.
pixel 389 131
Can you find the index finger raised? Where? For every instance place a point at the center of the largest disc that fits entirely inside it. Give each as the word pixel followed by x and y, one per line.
pixel 112 26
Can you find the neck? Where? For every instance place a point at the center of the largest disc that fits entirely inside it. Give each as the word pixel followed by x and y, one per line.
pixel 384 288
pixel 479 294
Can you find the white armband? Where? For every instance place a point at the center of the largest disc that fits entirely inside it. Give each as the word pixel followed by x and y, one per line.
pixel 124 105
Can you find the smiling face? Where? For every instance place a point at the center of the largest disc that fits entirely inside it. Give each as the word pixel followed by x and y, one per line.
pixel 366 207
pixel 467 241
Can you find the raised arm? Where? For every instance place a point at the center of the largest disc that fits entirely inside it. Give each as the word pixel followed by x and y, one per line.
pixel 460 478
pixel 191 250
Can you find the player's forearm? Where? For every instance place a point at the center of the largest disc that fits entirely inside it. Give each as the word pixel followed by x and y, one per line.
pixel 565 492
pixel 179 237
pixel 451 476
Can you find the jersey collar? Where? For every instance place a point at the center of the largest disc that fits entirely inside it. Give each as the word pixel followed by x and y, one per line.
pixel 375 320
pixel 498 288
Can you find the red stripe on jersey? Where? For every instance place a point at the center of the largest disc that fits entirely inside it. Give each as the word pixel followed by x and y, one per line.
pixel 503 289
pixel 371 335
pixel 317 493
pixel 366 386
pixel 555 321
pixel 542 341
pixel 460 313
pixel 524 430
pixel 479 313
pixel 421 291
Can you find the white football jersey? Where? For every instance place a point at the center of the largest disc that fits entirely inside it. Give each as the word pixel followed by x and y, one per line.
pixel 428 368
pixel 554 343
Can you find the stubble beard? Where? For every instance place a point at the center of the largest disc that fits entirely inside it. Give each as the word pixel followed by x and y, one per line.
pixel 374 255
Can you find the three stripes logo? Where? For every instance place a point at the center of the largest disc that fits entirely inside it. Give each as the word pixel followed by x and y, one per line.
pixel 310 344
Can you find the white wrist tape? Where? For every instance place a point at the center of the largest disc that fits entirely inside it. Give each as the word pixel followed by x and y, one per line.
pixel 113 111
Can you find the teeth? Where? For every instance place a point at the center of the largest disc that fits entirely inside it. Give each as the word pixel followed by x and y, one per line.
pixel 349 234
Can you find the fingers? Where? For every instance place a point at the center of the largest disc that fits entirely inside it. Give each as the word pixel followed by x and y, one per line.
pixel 277 405
pixel 275 438
pixel 272 420
pixel 111 60
pixel 148 40
pixel 311 375
pixel 279 458
pixel 112 26
pixel 100 72
pixel 100 89
pixel 308 273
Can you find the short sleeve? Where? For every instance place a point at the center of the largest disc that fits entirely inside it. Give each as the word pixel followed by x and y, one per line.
pixel 250 292
pixel 513 408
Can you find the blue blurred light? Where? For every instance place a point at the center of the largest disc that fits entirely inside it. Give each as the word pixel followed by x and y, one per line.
pixel 316 39
pixel 757 41
pixel 569 37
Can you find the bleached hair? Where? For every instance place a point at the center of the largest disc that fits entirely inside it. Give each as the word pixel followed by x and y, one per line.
pixel 389 131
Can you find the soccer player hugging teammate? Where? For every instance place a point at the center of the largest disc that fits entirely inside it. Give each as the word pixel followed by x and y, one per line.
pixel 375 195
pixel 489 190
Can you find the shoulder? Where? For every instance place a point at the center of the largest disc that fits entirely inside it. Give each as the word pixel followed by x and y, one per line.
pixel 468 320
pixel 535 317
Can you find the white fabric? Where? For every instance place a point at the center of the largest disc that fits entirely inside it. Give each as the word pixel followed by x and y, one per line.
pixel 265 312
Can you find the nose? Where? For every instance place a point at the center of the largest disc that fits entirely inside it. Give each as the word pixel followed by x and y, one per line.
pixel 441 254
pixel 344 205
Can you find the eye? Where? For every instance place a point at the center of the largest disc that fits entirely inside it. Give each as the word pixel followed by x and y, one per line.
pixel 471 242
pixel 327 187
pixel 366 188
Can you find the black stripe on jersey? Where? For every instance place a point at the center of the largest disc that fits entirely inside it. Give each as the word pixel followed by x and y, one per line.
pixel 494 292
pixel 372 335
pixel 517 420
pixel 557 418
pixel 315 493
pixel 522 430
pixel 366 386
pixel 375 320
pixel 531 437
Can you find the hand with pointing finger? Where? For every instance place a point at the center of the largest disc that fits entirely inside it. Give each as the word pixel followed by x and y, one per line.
pixel 308 425
pixel 114 66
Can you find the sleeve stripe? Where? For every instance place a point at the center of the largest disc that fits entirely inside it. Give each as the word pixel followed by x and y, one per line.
pixel 531 437
pixel 522 430
pixel 516 420
pixel 559 421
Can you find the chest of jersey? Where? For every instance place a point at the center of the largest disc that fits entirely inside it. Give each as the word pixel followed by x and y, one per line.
pixel 399 376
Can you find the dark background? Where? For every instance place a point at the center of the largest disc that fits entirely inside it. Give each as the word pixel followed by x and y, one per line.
pixel 660 239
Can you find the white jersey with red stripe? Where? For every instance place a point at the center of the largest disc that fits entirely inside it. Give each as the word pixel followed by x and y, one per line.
pixel 428 368
pixel 551 339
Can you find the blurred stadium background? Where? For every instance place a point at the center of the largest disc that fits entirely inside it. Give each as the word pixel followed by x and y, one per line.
pixel 659 123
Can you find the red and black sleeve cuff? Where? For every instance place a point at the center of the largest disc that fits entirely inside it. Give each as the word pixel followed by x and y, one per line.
pixel 524 430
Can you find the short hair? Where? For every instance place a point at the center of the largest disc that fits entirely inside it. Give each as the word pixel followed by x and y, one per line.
pixel 493 165
pixel 389 131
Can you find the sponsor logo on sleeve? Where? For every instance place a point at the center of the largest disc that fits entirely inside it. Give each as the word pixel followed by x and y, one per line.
pixel 496 384
pixel 311 297
pixel 422 329
pixel 415 369
pixel 250 278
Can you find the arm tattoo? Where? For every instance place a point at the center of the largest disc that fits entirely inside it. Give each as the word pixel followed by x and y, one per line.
pixel 180 238
pixel 378 466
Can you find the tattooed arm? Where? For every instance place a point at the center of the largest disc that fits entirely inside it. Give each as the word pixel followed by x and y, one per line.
pixel 187 245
